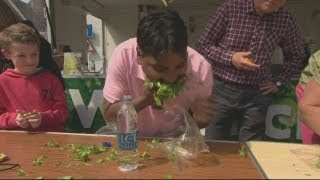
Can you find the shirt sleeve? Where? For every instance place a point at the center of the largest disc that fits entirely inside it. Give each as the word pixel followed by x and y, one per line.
pixel 208 44
pixel 57 115
pixel 207 79
pixel 7 119
pixel 293 53
pixel 116 85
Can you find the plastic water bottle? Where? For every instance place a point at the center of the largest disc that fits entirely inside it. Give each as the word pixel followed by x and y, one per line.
pixel 127 136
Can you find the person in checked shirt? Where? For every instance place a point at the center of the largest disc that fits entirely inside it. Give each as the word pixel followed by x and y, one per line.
pixel 239 41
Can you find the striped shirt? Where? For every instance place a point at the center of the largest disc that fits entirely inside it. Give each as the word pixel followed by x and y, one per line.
pixel 236 27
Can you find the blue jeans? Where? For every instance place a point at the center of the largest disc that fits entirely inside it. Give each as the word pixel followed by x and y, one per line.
pixel 242 105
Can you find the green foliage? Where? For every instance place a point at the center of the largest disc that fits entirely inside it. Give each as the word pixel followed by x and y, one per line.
pixel 145 156
pixel 243 151
pixel 52 143
pixel 21 172
pixel 39 161
pixel 169 176
pixel 113 155
pixel 153 144
pixel 318 163
pixel 100 161
pixel 83 152
pixel 164 90
pixel 65 177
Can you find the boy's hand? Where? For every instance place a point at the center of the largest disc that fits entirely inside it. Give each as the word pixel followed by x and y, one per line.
pixel 20 120
pixel 203 110
pixel 34 118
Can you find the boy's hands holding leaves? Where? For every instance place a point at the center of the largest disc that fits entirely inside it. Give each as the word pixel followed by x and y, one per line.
pixel 25 119
pixel 34 118
pixel 21 121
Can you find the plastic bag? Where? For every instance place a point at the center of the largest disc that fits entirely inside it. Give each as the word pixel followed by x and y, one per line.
pixel 109 129
pixel 186 141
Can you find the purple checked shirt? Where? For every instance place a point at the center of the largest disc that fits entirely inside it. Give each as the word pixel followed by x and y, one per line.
pixel 236 27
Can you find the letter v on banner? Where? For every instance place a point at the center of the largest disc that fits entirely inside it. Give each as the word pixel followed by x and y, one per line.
pixel 86 114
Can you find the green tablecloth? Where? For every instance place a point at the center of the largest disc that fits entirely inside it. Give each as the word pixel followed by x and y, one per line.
pixel 84 96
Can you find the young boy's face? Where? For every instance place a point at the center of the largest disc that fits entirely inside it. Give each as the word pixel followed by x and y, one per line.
pixel 25 56
pixel 168 68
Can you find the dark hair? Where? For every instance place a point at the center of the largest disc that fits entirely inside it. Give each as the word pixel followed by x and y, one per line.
pixel 160 32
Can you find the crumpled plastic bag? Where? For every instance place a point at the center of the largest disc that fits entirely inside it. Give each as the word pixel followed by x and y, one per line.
pixel 186 141
pixel 109 129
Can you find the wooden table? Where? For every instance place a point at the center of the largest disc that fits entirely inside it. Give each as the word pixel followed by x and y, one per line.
pixel 278 160
pixel 223 161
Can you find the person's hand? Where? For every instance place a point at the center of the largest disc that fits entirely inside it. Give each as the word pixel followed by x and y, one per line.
pixel 242 61
pixel 203 110
pixel 268 87
pixel 34 118
pixel 20 120
pixel 148 97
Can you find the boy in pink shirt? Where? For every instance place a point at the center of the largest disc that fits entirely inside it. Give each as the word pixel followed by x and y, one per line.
pixel 159 53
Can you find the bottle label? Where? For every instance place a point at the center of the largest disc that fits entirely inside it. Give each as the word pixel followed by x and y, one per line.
pixel 127 141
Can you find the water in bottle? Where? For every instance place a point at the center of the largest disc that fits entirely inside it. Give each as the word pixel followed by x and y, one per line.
pixel 127 136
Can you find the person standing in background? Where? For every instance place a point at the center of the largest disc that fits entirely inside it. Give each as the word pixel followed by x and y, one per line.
pixel 239 41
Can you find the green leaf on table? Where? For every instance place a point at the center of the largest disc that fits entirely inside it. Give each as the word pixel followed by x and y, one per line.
pixel 65 177
pixel 113 155
pixel 169 176
pixel 243 151
pixel 100 161
pixel 39 177
pixel 153 144
pixel 39 161
pixel 52 143
pixel 307 174
pixel 318 163
pixel 145 156
pixel 21 172
pixel 173 155
pixel 83 152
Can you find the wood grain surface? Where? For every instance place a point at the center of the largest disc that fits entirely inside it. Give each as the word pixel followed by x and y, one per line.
pixel 223 161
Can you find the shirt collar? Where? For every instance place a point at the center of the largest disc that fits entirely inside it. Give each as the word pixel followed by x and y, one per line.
pixel 138 70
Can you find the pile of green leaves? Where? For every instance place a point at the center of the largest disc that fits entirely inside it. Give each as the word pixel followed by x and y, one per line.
pixel 83 152
pixel 164 90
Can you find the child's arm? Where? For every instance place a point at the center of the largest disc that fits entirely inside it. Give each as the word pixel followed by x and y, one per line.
pixel 8 120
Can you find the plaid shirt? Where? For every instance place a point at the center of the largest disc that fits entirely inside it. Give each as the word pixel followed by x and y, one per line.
pixel 236 27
